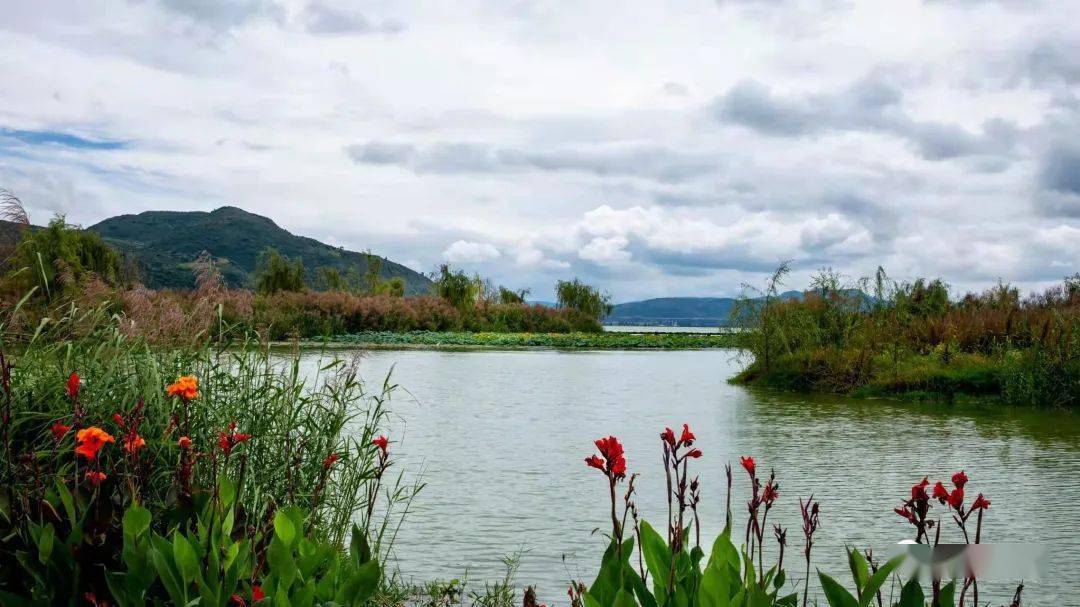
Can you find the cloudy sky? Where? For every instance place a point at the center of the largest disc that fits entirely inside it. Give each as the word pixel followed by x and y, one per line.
pixel 653 147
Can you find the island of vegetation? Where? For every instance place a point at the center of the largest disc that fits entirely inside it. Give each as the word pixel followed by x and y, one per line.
pixel 881 337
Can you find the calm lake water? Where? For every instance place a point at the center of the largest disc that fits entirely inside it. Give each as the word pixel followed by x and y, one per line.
pixel 501 435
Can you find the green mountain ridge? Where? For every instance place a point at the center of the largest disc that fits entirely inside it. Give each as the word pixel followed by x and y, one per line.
pixel 163 245
pixel 679 311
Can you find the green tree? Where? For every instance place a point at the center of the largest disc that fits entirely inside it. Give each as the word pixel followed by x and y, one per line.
pixel 275 272
pixel 455 286
pixel 507 296
pixel 576 295
pixel 60 256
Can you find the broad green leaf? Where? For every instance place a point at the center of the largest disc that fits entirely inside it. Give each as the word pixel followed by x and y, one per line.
pixel 878 579
pixel 187 562
pixel 947 595
pixel 624 599
pixel 860 569
pixel 284 528
pixel 363 583
pixel 837 595
pixel 911 595
pixel 657 559
pixel 136 522
pixel 45 543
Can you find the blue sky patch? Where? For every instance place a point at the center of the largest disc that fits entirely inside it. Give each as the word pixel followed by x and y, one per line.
pixel 62 139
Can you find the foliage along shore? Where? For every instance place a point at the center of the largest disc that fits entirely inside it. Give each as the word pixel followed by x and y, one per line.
pixel 495 340
pixel 911 339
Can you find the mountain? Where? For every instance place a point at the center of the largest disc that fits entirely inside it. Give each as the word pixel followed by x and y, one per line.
pixel 165 243
pixel 679 311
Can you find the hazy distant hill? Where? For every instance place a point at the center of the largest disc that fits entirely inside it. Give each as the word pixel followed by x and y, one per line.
pixel 165 243
pixel 681 311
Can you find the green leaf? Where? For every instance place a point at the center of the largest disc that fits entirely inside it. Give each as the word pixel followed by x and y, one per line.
pixel 624 599
pixel 227 492
pixel 45 543
pixel 281 561
pixel 911 595
pixel 860 569
pixel 778 582
pixel 284 528
pixel 136 522
pixel 187 562
pixel 657 559
pixel 715 586
pixel 878 579
pixel 837 595
pixel 947 595
pixel 67 501
pixel 363 583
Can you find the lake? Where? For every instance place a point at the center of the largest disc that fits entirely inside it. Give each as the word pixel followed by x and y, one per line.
pixel 501 437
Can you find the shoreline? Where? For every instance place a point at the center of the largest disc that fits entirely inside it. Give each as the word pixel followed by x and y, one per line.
pixel 437 340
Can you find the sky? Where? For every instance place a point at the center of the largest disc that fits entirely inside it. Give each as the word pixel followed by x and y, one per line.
pixel 653 148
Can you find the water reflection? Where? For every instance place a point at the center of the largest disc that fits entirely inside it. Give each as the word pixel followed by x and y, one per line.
pixel 502 435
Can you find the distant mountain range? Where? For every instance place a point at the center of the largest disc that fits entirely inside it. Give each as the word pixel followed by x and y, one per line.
pixel 164 244
pixel 679 311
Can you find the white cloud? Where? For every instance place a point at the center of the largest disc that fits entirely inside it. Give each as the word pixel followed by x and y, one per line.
pixel 463 251
pixel 605 250
pixel 411 127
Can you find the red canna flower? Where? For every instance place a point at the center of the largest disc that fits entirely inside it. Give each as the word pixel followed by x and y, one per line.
pixel 595 461
pixel 73 385
pixel 184 442
pixel 227 441
pixel 668 436
pixel 613 463
pixel 257 594
pixel 687 437
pixel 96 477
pixel 940 492
pixel 918 491
pixel 89 441
pixel 59 430
pixel 956 498
pixel 906 513
pixel 694 453
pixel 133 442
pixel 380 442
pixel 748 464
pixel 237 600
pixel 980 503
pixel 119 419
pixel 769 494
pixel 959 479
pixel 329 461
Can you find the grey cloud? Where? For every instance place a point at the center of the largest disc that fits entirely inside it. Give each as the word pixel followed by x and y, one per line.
pixel 322 18
pixel 377 152
pixel 1059 178
pixel 655 163
pixel 222 14
pixel 870 104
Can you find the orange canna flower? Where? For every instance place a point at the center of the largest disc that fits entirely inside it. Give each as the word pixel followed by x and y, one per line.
pixel 96 477
pixel 89 441
pixel 133 443
pixel 186 387
pixel 184 442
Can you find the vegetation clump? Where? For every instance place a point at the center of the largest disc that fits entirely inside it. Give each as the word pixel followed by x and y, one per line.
pixel 884 337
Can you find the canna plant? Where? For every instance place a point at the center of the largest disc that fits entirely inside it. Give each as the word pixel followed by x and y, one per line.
pixel 79 526
pixel 675 571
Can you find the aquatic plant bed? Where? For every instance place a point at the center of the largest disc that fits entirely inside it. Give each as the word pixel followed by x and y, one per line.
pixel 615 341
